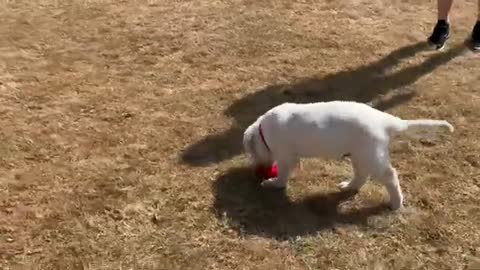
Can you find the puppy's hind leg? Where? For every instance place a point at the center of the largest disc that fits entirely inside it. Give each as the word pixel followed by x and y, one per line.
pixel 392 185
pixel 385 174
pixel 285 167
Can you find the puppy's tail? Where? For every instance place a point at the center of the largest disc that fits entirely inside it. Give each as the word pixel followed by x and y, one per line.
pixel 421 125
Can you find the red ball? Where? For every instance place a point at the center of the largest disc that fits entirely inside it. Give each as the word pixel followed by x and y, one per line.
pixel 267 172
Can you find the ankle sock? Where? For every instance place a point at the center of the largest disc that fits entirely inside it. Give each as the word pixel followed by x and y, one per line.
pixel 442 23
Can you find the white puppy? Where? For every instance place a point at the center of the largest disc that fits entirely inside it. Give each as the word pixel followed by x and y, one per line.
pixel 333 129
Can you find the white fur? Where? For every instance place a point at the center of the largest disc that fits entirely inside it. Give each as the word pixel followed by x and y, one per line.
pixel 332 130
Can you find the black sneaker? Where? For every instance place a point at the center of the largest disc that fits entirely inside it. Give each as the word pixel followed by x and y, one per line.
pixel 476 37
pixel 440 35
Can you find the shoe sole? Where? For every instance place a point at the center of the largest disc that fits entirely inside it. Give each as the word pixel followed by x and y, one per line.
pixel 436 47
pixel 471 46
pixel 475 48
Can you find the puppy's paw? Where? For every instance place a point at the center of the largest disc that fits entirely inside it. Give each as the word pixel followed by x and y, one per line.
pixel 396 204
pixel 346 186
pixel 272 183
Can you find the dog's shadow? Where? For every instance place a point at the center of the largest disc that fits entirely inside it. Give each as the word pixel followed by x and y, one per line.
pixel 250 209
pixel 374 83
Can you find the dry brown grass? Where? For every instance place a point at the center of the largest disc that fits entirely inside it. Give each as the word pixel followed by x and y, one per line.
pixel 121 124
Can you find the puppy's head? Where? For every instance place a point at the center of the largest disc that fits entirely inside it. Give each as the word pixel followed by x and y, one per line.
pixel 254 147
pixel 249 144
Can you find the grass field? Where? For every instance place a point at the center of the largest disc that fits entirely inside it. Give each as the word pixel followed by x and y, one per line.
pixel 121 125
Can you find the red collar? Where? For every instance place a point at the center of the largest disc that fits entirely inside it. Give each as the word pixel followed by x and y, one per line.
pixel 263 138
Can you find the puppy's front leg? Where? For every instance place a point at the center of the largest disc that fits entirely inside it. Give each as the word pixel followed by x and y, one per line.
pixel 285 167
pixel 359 178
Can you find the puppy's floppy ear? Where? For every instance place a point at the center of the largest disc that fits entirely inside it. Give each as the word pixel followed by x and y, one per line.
pixel 249 144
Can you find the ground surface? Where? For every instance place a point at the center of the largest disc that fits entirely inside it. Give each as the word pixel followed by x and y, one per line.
pixel 121 124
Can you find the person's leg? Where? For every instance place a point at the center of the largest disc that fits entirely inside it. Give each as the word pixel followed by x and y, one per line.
pixel 476 32
pixel 443 8
pixel 441 31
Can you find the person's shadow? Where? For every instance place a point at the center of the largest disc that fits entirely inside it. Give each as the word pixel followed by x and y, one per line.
pixel 249 209
pixel 369 84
